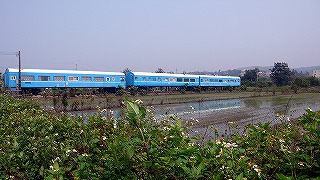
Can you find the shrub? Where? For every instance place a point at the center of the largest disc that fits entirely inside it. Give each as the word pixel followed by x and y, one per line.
pixel 36 144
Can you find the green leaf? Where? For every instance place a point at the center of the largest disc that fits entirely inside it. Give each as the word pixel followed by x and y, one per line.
pixel 239 177
pixel 283 177
pixel 95 140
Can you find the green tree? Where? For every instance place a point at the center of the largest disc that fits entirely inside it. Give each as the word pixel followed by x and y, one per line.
pixel 251 75
pixel 281 74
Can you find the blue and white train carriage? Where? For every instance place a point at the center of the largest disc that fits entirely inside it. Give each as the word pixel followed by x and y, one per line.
pixel 144 79
pixel 39 78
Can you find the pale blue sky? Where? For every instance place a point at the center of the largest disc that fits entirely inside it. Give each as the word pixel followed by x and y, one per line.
pixel 187 35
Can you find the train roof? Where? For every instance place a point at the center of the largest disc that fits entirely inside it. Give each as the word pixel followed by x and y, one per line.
pixel 179 75
pixel 64 71
pixel 212 76
pixel 163 74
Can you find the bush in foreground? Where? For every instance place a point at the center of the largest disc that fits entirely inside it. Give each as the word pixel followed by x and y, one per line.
pixel 35 144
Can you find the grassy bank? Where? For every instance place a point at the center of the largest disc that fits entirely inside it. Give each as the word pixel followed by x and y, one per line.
pixel 36 144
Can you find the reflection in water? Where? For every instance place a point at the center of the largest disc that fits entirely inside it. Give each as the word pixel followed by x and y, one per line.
pixel 254 103
pixel 228 116
pixel 196 107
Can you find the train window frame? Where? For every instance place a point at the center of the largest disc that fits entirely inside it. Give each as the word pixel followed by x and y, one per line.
pixel 43 78
pixel 13 77
pixel 59 78
pixel 98 79
pixel 113 78
pixel 192 80
pixel 159 79
pixel 122 79
pixel 173 79
pixel 86 78
pixel 186 80
pixel 108 79
pixel 179 79
pixel 144 79
pixel 73 78
pixel 27 78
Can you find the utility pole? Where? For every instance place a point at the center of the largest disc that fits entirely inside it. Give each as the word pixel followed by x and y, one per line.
pixel 19 78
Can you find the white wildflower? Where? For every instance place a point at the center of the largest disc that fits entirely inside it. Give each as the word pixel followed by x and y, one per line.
pixel 139 101
pixel 104 138
pixel 258 170
pixel 301 163
pixel 73 150
pixel 85 154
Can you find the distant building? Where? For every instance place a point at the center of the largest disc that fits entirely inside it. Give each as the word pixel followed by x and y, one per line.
pixel 264 74
pixel 315 73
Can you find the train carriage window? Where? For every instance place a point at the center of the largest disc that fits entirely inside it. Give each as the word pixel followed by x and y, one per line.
pixel 173 79
pixel 58 78
pixel 165 79
pixel 220 80
pixel 192 80
pixel 98 79
pixel 136 78
pixel 179 79
pixel 113 78
pixel 107 79
pixel 27 78
pixel 73 78
pixel 13 77
pixel 159 79
pixel 186 80
pixel 231 80
pixel 86 78
pixel 43 78
pixel 144 79
pixel 150 79
pixel 122 79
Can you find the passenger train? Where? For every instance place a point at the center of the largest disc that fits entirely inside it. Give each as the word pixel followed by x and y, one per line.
pixel 32 79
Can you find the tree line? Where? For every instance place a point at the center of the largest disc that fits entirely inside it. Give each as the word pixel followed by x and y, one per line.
pixel 281 75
